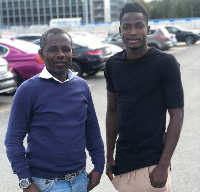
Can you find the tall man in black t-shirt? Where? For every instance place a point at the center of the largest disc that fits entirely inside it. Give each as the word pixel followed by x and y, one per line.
pixel 143 84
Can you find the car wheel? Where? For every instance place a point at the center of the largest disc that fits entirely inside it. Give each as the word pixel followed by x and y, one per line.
pixel 153 45
pixel 19 80
pixel 75 67
pixel 189 40
pixel 92 73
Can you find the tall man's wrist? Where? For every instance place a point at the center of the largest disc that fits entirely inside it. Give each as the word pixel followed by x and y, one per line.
pixel 164 165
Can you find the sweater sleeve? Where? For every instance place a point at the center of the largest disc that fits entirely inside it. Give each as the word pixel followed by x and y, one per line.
pixel 94 142
pixel 17 129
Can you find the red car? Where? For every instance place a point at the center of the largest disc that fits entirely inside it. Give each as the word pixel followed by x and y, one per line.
pixel 23 58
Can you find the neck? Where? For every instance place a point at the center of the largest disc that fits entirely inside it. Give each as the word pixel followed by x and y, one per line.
pixel 136 53
pixel 61 76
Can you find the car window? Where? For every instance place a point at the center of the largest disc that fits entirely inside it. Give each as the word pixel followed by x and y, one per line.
pixel 28 38
pixel 118 37
pixel 172 29
pixel 75 46
pixel 152 31
pixel 24 46
pixel 3 50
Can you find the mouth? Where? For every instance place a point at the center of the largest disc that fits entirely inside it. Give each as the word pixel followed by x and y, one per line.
pixel 60 63
pixel 133 41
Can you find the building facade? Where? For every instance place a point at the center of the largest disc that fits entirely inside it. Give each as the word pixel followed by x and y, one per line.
pixel 40 12
pixel 115 8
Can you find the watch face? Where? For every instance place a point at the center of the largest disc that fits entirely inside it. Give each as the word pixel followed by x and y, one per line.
pixel 24 183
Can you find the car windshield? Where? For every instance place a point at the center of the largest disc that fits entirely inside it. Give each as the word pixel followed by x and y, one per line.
pixel 86 40
pixel 23 45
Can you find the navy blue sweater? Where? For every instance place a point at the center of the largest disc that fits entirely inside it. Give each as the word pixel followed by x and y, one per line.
pixel 60 122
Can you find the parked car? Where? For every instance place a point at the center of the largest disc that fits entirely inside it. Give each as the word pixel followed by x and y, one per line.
pixel 22 57
pixel 158 38
pixel 90 54
pixel 184 35
pixel 28 37
pixel 7 79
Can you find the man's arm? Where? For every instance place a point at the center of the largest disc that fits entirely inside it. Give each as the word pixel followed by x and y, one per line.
pixel 94 145
pixel 111 131
pixel 159 175
pixel 17 129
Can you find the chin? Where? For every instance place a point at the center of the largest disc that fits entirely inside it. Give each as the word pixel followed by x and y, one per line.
pixel 134 48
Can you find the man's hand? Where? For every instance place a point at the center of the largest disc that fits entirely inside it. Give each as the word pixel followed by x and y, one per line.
pixel 94 179
pixel 109 169
pixel 32 188
pixel 158 177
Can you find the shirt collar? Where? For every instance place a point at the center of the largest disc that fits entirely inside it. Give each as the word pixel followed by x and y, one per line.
pixel 46 75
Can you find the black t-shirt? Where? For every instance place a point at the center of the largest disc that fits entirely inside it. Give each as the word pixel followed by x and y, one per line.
pixel 145 88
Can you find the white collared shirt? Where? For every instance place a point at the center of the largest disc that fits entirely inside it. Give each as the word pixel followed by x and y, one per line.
pixel 46 75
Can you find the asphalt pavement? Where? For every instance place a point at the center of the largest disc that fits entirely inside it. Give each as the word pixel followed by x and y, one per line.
pixel 185 162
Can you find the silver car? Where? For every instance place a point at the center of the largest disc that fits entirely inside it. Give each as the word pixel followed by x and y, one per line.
pixel 7 80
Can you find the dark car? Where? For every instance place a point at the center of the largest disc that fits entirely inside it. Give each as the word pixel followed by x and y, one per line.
pixel 158 38
pixel 7 79
pixel 90 54
pixel 184 35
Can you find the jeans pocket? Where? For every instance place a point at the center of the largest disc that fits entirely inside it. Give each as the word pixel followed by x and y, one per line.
pixel 82 182
pixel 115 182
pixel 43 184
pixel 84 175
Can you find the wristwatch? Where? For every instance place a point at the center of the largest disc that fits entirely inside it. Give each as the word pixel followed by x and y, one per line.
pixel 24 183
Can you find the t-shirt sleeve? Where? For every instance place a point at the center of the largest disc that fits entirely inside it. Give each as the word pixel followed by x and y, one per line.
pixel 172 85
pixel 109 77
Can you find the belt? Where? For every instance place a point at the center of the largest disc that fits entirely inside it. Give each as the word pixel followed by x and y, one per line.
pixel 68 177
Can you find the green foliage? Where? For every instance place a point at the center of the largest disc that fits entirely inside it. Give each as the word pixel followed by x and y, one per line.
pixel 163 9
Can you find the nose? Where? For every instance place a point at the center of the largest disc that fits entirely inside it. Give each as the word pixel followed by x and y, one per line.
pixel 133 31
pixel 60 53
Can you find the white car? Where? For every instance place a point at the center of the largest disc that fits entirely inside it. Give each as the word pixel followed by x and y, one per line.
pixel 87 38
pixel 7 80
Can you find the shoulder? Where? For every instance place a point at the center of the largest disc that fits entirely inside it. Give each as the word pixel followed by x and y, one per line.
pixel 80 83
pixel 79 80
pixel 30 83
pixel 116 57
pixel 162 59
pixel 155 53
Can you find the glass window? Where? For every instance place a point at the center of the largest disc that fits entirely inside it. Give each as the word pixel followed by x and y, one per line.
pixel 3 50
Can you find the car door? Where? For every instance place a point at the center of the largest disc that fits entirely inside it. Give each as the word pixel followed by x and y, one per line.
pixel 177 32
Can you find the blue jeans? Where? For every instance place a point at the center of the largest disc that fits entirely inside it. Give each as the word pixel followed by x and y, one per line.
pixel 79 184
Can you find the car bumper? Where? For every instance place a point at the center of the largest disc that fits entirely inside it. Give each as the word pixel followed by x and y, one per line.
pixel 7 83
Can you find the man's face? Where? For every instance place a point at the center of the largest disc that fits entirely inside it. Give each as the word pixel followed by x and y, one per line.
pixel 134 30
pixel 57 54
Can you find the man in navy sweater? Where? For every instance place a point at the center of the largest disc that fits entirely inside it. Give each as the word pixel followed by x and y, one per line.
pixel 56 112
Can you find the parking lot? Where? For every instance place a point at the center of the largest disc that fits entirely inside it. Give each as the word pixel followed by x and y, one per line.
pixel 185 162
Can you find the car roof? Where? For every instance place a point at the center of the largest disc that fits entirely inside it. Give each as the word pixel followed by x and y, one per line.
pixel 21 45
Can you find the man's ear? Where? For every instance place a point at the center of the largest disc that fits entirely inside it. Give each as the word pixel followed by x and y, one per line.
pixel 72 51
pixel 40 52
pixel 120 30
pixel 148 30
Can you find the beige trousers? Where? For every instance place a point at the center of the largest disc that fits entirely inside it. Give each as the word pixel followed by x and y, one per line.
pixel 138 181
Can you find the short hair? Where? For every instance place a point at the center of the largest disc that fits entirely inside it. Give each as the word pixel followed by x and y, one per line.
pixel 43 38
pixel 134 7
